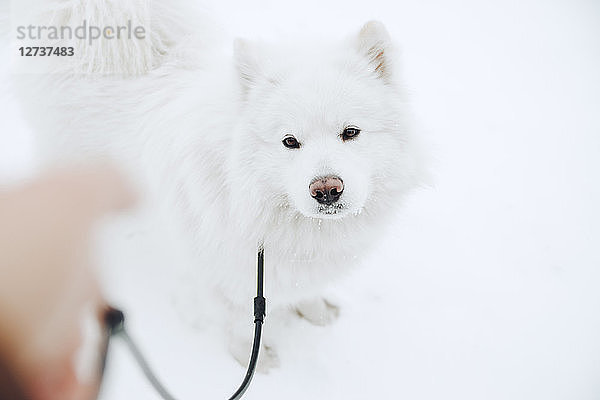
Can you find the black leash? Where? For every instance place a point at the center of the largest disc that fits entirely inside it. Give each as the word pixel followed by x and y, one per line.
pixel 116 321
pixel 259 318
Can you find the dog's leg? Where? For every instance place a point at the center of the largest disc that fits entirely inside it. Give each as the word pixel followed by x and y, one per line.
pixel 241 335
pixel 240 350
pixel 318 311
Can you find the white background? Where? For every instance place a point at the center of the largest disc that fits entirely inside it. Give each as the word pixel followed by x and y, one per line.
pixel 488 285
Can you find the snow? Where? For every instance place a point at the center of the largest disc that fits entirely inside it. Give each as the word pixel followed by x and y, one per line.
pixel 487 285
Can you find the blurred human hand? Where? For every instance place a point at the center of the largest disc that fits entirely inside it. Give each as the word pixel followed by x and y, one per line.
pixel 46 283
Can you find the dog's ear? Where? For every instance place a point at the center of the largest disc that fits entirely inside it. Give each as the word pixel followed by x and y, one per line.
pixel 247 63
pixel 374 42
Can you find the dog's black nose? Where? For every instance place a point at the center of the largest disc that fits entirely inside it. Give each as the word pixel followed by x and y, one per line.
pixel 327 189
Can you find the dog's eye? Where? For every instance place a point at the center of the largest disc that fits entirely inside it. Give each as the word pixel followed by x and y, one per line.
pixel 350 133
pixel 291 142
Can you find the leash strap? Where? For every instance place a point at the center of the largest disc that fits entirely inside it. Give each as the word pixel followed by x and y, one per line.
pixel 116 321
pixel 259 317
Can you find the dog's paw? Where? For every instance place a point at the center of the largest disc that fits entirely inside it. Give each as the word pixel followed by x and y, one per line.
pixel 318 312
pixel 267 357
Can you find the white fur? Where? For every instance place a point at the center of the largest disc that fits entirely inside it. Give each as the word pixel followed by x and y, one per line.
pixel 202 132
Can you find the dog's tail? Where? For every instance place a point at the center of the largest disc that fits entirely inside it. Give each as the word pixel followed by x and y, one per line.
pixel 85 101
pixel 126 37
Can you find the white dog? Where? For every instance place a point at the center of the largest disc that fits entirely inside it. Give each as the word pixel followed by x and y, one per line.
pixel 306 148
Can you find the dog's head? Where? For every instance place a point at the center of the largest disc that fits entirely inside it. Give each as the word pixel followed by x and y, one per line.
pixel 323 127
